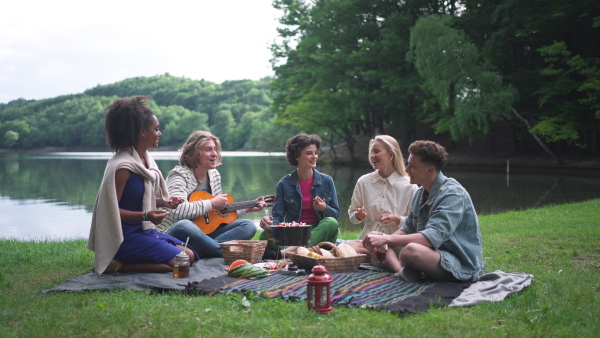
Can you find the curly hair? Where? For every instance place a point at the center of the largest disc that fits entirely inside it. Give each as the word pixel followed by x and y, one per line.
pixel 295 144
pixel 192 147
pixel 429 152
pixel 125 119
pixel 393 147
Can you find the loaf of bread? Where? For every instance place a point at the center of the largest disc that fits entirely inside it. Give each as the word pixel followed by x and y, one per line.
pixel 302 251
pixel 345 250
pixel 327 254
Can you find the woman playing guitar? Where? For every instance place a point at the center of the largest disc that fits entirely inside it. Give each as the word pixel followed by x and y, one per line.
pixel 196 172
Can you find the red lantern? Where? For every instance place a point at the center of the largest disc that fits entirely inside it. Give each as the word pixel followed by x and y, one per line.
pixel 318 290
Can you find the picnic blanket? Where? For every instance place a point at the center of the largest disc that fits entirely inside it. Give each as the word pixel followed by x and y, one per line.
pixel 202 269
pixel 371 289
pixel 493 287
pixel 364 289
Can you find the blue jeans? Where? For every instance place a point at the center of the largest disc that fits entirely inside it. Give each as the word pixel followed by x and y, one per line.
pixel 208 245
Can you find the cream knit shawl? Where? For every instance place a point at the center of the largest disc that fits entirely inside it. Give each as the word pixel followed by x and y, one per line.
pixel 106 234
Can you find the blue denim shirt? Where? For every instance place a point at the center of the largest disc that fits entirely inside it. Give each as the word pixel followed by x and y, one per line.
pixel 449 221
pixel 288 198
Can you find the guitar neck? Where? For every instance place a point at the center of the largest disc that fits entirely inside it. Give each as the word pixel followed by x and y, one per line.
pixel 239 205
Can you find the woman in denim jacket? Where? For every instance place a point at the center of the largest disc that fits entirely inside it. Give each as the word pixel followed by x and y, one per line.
pixel 305 195
pixel 441 238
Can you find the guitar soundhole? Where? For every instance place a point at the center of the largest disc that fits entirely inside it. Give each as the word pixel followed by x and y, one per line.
pixel 222 214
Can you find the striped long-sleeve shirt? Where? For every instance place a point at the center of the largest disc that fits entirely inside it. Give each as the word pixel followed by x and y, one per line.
pixel 181 182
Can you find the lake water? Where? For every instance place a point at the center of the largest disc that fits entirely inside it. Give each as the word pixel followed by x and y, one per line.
pixel 51 195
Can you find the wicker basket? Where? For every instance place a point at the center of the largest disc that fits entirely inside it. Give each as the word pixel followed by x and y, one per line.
pixel 251 251
pixel 333 265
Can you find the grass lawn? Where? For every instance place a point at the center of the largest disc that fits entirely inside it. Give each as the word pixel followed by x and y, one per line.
pixel 559 245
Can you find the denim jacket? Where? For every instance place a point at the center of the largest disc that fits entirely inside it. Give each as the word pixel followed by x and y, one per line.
pixel 288 198
pixel 449 221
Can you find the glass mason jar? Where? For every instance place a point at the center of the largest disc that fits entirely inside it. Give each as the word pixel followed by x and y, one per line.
pixel 181 269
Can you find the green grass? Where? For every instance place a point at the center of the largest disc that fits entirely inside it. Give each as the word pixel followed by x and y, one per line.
pixel 559 245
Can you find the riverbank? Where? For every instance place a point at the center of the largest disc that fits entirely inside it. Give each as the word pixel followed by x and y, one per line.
pixel 481 157
pixel 564 265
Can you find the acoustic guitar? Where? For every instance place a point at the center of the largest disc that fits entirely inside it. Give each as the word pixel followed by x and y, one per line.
pixel 211 220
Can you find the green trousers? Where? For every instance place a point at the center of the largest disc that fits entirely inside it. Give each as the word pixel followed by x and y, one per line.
pixel 325 231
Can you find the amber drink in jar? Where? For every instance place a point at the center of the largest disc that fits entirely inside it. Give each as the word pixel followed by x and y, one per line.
pixel 181 269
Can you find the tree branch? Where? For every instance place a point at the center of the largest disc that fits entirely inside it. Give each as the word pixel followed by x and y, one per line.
pixel 539 141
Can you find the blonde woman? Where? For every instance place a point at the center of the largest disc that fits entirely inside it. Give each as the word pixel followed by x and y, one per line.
pixel 381 199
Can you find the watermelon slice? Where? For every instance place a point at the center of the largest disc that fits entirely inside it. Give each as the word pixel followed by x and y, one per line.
pixel 237 263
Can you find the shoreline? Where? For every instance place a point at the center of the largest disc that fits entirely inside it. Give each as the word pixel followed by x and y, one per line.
pixel 480 157
pixel 459 158
pixel 511 166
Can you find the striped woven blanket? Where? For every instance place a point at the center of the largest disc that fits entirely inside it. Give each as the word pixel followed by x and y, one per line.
pixel 364 289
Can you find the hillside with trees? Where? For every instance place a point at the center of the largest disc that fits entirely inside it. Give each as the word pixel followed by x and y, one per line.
pixel 239 112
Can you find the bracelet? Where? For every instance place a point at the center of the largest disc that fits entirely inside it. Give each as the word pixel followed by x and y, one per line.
pixel 145 215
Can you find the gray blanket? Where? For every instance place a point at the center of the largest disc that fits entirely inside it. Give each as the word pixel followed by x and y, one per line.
pixel 203 269
pixel 493 287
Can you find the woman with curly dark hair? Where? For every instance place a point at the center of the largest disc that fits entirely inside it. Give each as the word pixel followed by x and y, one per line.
pixel 122 234
pixel 305 195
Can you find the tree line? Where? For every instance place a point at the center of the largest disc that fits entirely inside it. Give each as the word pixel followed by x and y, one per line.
pixel 464 67
pixel 469 69
pixel 238 112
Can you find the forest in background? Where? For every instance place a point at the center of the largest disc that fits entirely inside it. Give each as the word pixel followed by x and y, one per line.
pixel 239 112
pixel 470 71
pixel 474 71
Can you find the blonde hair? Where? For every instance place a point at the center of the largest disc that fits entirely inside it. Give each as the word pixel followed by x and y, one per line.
pixel 192 147
pixel 392 146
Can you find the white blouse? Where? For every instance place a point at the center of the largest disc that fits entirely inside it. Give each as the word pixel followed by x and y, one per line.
pixel 377 196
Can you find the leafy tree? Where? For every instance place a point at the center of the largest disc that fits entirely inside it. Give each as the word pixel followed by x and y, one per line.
pixel 19 129
pixel 271 137
pixel 10 138
pixel 344 71
pixel 526 41
pixel 471 95
pixel 224 129
pixel 177 123
pixel 573 75
pixel 313 89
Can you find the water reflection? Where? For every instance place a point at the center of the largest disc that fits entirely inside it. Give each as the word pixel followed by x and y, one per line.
pixel 42 219
pixel 51 195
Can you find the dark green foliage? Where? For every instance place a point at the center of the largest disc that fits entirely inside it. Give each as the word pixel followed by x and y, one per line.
pixel 470 95
pixel 238 112
pixel 360 67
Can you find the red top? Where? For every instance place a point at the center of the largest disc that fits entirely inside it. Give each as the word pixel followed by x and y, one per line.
pixel 307 214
